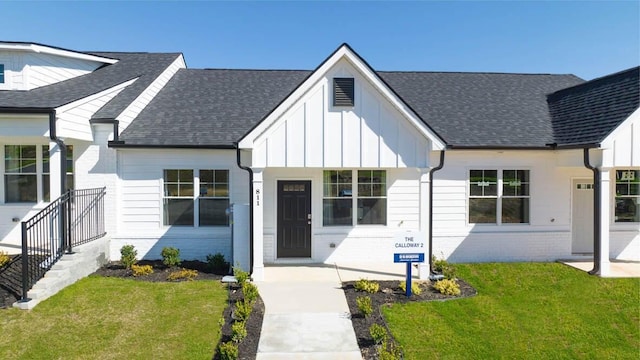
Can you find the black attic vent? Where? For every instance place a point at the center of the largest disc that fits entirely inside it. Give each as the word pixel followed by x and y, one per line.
pixel 343 92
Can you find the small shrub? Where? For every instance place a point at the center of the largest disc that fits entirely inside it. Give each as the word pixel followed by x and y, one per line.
pixel 243 310
pixel 4 258
pixel 141 270
pixel 365 285
pixel 217 263
pixel 447 287
pixel 228 351
pixel 182 274
pixel 170 256
pixel 240 275
pixel 221 322
pixel 378 334
pixel 443 267
pixel 364 305
pixel 415 287
pixel 389 351
pixel 128 255
pixel 238 331
pixel 250 292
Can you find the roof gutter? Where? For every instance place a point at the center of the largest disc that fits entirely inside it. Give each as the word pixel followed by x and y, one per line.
pixel 597 189
pixel 121 144
pixel 431 209
pixel 250 171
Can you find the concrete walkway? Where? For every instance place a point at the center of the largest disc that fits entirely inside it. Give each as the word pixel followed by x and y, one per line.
pixel 617 269
pixel 306 312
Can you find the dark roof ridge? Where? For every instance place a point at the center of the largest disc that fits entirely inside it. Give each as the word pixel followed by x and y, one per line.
pixel 595 81
pixel 472 72
pixel 230 69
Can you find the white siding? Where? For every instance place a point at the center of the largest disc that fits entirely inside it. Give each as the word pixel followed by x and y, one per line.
pixel 314 133
pixel 132 111
pixel 140 202
pixel 622 147
pixel 26 71
pixel 21 125
pixel 46 69
pixel 356 243
pixel 73 119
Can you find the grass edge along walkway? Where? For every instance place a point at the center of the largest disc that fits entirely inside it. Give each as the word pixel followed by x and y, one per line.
pixel 525 310
pixel 113 318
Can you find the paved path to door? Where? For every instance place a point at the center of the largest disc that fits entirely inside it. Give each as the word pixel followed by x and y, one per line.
pixel 306 312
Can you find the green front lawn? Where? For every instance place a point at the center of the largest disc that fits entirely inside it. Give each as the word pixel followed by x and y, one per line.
pixel 112 318
pixel 525 310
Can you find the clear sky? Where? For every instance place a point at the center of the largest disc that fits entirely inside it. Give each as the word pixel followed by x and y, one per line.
pixel 589 39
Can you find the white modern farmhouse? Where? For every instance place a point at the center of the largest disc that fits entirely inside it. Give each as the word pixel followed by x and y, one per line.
pixel 322 166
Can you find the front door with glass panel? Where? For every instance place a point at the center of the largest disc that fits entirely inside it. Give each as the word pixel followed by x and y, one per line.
pixel 294 219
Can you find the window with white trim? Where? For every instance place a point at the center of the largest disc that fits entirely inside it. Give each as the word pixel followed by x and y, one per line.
pixel 182 205
pixel 20 173
pixel 341 204
pixel 627 202
pixel 214 198
pixel 499 197
pixel 2 74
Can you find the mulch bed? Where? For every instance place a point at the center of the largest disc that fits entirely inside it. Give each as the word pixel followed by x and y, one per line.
pixel 248 348
pixel 390 293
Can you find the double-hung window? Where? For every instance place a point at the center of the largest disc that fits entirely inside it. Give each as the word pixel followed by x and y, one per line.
pixel 214 197
pixel 627 202
pixel 20 173
pixel 499 197
pixel 182 205
pixel 367 204
pixel 178 197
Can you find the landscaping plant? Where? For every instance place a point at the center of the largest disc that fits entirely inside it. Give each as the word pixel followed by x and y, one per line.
pixel 228 351
pixel 4 258
pixel 250 292
pixel 415 287
pixel 217 263
pixel 170 256
pixel 447 287
pixel 238 331
pixel 364 305
pixel 182 274
pixel 365 285
pixel 243 310
pixel 240 275
pixel 378 334
pixel 141 270
pixel 128 255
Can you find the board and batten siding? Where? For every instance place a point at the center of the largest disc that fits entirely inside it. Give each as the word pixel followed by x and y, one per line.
pixel 622 146
pixel 135 107
pixel 359 243
pixel 140 208
pixel 314 133
pixel 26 71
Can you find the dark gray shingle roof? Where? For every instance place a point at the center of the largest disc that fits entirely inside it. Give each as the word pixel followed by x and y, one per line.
pixel 210 107
pixel 482 109
pixel 146 66
pixel 218 107
pixel 587 113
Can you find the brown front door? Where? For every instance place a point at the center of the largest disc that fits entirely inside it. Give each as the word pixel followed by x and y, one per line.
pixel 294 219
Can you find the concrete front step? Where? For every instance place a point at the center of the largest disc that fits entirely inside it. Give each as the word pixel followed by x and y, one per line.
pixel 70 268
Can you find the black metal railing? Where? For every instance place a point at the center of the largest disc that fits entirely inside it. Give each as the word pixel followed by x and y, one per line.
pixel 75 218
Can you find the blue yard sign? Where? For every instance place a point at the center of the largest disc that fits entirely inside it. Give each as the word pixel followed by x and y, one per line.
pixel 409 247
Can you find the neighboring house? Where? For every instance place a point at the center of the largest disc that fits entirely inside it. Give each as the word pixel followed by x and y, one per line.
pixel 333 162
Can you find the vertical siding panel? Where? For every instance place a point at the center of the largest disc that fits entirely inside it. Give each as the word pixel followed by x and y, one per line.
pixel 296 138
pixel 370 123
pixel 407 147
pixel 315 115
pixel 276 147
pixel 388 138
pixel 333 139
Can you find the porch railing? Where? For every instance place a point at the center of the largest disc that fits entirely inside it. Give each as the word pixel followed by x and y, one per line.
pixel 75 218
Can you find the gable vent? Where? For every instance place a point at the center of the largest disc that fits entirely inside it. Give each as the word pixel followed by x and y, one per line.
pixel 343 92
